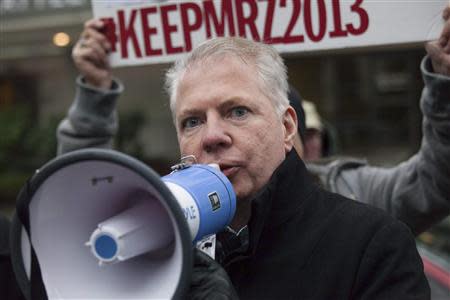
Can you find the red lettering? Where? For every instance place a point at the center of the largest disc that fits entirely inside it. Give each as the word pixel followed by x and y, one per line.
pixel 109 30
pixel 219 25
pixel 267 37
pixel 322 20
pixel 148 31
pixel 363 17
pixel 288 37
pixel 338 30
pixel 188 27
pixel 249 21
pixel 126 33
pixel 168 29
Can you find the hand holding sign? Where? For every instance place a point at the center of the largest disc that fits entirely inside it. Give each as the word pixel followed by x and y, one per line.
pixel 439 50
pixel 90 55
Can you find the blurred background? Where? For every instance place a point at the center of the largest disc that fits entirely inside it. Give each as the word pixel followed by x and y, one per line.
pixel 367 98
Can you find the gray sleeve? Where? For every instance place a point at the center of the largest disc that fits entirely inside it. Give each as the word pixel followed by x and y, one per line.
pixel 91 120
pixel 416 191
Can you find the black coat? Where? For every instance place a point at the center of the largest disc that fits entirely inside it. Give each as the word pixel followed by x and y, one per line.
pixel 306 243
pixel 9 289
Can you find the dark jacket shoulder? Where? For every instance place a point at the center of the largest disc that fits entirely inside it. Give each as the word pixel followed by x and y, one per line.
pixel 308 243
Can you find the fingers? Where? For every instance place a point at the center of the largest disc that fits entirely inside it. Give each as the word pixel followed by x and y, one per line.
pixel 95 73
pixel 86 51
pixel 444 39
pixel 90 54
pixel 94 23
pixel 91 38
pixel 446 13
pixel 435 52
pixel 93 34
pixel 445 35
pixel 439 59
pixel 439 50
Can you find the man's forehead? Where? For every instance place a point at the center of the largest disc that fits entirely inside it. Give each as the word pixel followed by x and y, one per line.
pixel 212 63
pixel 220 82
pixel 228 69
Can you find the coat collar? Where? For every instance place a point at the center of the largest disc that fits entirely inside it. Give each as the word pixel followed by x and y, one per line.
pixel 283 196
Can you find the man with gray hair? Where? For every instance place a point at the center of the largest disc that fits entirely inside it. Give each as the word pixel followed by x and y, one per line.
pixel 415 191
pixel 229 105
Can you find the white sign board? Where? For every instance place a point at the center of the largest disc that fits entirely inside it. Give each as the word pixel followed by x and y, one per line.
pixel 145 32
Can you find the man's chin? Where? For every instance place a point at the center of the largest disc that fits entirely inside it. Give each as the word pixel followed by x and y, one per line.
pixel 242 196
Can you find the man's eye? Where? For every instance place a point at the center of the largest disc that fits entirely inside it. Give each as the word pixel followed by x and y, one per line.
pixel 191 122
pixel 239 112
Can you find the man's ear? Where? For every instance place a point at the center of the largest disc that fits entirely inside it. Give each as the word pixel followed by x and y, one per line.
pixel 290 128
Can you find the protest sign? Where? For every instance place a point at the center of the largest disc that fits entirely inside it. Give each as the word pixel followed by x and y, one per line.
pixel 144 32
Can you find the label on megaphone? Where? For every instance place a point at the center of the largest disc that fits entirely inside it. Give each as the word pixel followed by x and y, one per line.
pixel 208 245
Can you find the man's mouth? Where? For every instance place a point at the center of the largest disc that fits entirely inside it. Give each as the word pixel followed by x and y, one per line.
pixel 229 171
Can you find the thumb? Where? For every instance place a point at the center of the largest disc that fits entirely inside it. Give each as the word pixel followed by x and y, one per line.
pixel 439 59
pixel 434 51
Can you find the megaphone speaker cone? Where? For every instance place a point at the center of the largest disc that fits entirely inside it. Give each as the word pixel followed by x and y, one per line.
pixel 77 193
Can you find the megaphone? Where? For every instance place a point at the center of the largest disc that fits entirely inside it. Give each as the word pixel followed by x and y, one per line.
pixel 99 224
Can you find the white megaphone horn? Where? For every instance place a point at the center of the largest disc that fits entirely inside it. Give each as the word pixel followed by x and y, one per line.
pixel 99 224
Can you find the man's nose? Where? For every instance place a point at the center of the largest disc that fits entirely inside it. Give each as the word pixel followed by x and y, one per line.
pixel 215 136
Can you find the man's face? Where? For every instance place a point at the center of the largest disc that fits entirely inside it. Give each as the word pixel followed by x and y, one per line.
pixel 313 145
pixel 223 117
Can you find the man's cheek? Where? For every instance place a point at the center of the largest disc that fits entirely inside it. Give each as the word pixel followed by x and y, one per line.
pixel 186 148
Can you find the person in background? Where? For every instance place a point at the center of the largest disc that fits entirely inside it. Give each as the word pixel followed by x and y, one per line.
pixel 314 137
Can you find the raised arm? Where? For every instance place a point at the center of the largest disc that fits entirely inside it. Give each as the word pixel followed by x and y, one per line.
pixel 91 120
pixel 416 191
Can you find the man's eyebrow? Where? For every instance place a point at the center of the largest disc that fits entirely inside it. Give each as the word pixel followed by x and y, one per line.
pixel 230 103
pixel 234 101
pixel 189 112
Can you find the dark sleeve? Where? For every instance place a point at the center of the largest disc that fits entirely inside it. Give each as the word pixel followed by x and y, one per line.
pixel 209 280
pixel 391 267
pixel 9 289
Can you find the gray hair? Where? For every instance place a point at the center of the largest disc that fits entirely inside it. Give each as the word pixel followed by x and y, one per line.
pixel 268 64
